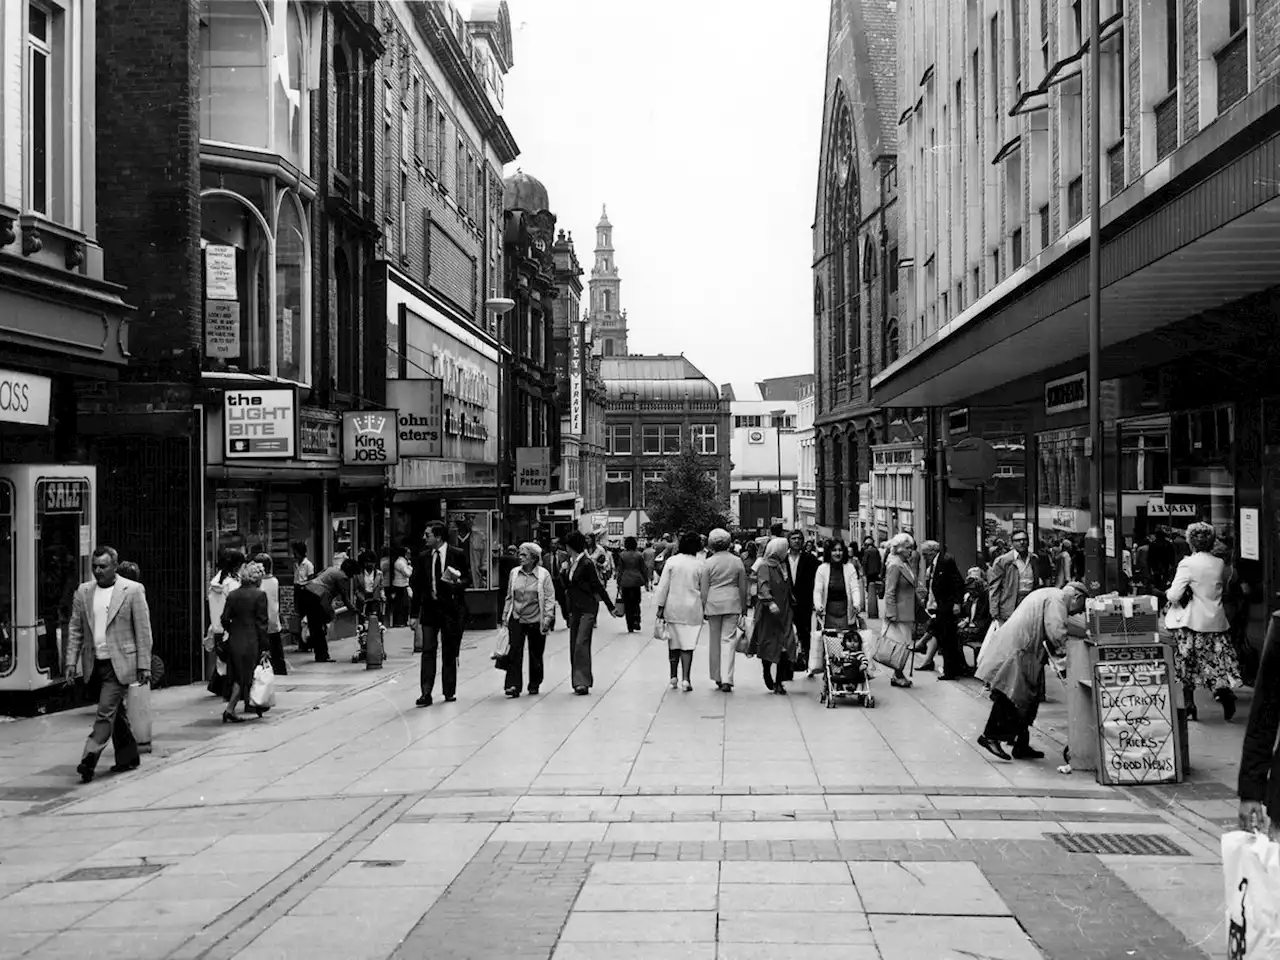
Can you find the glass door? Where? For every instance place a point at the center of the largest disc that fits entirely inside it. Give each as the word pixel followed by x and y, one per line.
pixel 63 541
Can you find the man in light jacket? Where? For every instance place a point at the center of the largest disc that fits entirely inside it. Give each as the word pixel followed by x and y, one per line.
pixel 1011 579
pixel 110 613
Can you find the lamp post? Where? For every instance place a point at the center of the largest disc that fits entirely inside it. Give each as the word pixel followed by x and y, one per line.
pixel 1096 437
pixel 498 308
pixel 778 416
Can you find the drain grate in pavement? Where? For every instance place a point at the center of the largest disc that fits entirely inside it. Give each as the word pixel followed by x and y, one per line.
pixel 124 872
pixel 382 863
pixel 1122 844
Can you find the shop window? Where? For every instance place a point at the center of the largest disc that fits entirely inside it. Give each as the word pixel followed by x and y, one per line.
pixel 1063 504
pixel 617 488
pixel 62 519
pixel 292 293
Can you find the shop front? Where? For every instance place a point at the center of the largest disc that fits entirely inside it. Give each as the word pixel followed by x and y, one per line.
pixel 897 491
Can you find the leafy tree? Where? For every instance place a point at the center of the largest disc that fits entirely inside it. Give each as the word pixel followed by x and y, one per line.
pixel 686 498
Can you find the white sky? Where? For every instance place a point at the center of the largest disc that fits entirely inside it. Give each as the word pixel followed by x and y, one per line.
pixel 697 122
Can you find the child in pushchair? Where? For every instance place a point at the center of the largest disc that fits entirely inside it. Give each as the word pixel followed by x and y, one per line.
pixel 846 668
pixel 370 598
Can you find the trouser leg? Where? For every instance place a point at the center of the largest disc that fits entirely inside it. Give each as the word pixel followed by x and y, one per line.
pixel 582 675
pixel 427 670
pixel 728 648
pixel 947 632
pixel 515 656
pixel 537 647
pixel 804 624
pixel 450 650
pixel 713 647
pixel 111 722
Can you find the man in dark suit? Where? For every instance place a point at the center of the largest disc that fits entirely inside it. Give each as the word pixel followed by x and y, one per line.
pixel 944 588
pixel 803 567
pixel 440 580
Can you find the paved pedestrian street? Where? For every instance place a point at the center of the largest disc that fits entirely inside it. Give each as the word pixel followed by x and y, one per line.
pixel 638 822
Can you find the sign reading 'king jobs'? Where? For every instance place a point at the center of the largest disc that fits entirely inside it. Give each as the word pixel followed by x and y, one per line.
pixel 260 424
pixel 370 438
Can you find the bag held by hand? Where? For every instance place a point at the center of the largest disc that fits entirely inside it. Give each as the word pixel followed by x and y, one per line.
pixel 262 694
pixel 502 649
pixel 891 651
pixel 1251 870
pixel 742 636
pixel 661 631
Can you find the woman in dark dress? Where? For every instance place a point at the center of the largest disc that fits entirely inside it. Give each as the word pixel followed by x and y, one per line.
pixel 772 638
pixel 632 576
pixel 244 619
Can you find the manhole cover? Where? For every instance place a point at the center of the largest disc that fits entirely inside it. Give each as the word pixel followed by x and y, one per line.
pixel 131 872
pixel 382 863
pixel 1122 844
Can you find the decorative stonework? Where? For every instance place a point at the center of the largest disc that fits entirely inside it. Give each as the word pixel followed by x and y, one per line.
pixel 31 240
pixel 7 233
pixel 74 254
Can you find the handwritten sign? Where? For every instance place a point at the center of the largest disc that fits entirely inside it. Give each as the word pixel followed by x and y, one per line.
pixel 222 328
pixel 219 272
pixel 1249 533
pixel 1137 733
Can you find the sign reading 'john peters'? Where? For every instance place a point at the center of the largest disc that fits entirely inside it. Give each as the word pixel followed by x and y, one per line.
pixel 260 424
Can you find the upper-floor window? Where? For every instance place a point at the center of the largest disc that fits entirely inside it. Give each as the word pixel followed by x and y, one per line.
pixel 617 439
pixel 43 120
pixel 704 437
pixel 660 438
pixel 346 136
pixel 253 90
pixel 746 420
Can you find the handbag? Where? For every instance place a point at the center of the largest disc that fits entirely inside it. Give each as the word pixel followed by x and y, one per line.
pixel 741 636
pixel 890 651
pixel 1251 871
pixel 262 693
pixel 220 646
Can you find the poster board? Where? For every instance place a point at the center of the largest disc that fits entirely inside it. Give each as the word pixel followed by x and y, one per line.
pixel 483 536
pixel 1138 736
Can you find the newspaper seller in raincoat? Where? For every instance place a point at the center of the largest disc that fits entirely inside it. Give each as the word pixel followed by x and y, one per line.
pixel 1012 664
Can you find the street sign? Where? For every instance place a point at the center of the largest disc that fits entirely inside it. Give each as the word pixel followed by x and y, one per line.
pixel 260 424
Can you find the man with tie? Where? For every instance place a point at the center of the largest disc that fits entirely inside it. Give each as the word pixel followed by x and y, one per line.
pixel 112 613
pixel 944 592
pixel 440 580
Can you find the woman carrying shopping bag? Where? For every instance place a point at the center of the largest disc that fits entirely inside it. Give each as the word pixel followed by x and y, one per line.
pixel 528 613
pixel 899 609
pixel 244 618
pixel 220 587
pixel 679 599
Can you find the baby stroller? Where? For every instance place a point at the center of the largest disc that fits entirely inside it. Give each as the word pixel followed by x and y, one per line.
pixel 845 669
pixel 372 610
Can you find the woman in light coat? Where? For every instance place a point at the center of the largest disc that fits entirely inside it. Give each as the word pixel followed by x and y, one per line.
pixel 837 597
pixel 680 593
pixel 724 601
pixel 1205 655
pixel 529 612
pixel 899 607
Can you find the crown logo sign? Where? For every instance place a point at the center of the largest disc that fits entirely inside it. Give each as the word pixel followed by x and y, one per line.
pixel 369 423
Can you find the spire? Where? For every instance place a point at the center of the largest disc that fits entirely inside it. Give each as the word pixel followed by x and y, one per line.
pixel 604 216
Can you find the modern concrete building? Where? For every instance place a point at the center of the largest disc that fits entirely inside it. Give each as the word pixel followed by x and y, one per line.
pixel 765 450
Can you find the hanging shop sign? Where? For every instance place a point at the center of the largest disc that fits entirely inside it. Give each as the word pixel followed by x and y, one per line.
pixel 219 272
pixel 319 437
pixel 24 398
pixel 260 424
pixel 1069 393
pixel 575 379
pixel 419 416
pixel 370 438
pixel 533 470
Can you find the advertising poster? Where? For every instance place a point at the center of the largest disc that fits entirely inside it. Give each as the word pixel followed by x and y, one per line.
pixel 219 272
pixel 1136 726
pixel 260 424
pixel 482 523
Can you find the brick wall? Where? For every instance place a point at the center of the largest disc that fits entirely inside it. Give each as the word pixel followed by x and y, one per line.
pixel 1190 95
pixel 1266 28
pixel 148 176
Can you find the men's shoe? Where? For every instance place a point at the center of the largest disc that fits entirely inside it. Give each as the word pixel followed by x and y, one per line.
pixel 580 691
pixel 926 668
pixel 126 767
pixel 512 692
pixel 424 700
pixel 533 690
pixel 326 660
pixel 902 682
pixel 1027 753
pixel 947 676
pixel 85 769
pixel 727 687
pixel 450 699
pixel 994 748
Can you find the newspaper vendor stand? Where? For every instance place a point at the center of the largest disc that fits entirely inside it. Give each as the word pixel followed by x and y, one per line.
pixel 1123 719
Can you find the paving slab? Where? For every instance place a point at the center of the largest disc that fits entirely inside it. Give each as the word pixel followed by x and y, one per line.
pixel 926 889
pixel 951 938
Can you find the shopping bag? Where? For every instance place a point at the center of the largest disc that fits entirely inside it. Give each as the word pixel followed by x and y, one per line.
pixel 138 709
pixel 1251 869
pixel 502 645
pixel 742 636
pixel 262 694
pixel 661 631
pixel 890 651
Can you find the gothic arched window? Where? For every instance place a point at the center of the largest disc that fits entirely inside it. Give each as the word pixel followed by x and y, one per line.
pixel 843 215
pixel 891 346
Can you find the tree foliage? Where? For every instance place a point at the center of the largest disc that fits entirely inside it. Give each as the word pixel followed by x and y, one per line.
pixel 686 498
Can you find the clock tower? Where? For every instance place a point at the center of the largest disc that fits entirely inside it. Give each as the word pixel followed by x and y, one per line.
pixel 608 319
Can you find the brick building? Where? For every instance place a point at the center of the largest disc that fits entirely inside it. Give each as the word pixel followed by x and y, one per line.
pixel 855 255
pixel 995 153
pixel 311 196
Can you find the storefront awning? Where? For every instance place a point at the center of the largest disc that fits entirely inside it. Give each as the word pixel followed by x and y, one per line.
pixel 543 499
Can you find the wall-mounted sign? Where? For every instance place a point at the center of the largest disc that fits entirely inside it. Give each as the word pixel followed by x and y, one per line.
pixel 260 424
pixel 755 436
pixel 219 272
pixel 958 420
pixel 576 337
pixel 1249 533
pixel 24 398
pixel 420 417
pixel 319 437
pixel 1156 507
pixel 370 438
pixel 1109 535
pixel 1069 393
pixel 533 470
pixel 222 329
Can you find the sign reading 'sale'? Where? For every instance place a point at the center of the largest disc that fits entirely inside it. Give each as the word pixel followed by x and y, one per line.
pixel 370 438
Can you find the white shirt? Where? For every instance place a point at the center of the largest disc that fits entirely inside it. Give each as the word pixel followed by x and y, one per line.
pixel 1026 577
pixel 931 605
pixel 442 552
pixel 793 560
pixel 101 604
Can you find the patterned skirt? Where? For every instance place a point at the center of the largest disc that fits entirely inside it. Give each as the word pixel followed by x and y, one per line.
pixel 1207 660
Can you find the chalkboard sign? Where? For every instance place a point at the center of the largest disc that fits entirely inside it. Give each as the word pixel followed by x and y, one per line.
pixel 1137 719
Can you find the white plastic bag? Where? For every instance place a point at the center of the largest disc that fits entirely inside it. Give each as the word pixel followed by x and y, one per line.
pixel 502 645
pixel 262 695
pixel 1251 868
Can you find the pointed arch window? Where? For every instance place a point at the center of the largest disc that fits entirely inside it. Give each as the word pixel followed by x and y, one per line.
pixel 843 216
pixel 891 344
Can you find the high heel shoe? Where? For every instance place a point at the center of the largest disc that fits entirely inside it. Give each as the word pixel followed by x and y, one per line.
pixel 231 718
pixel 1228 701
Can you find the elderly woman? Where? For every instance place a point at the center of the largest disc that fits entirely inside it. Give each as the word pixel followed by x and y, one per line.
pixel 679 598
pixel 773 638
pixel 245 619
pixel 632 577
pixel 837 597
pixel 529 612
pixel 724 601
pixel 1205 655
pixel 899 608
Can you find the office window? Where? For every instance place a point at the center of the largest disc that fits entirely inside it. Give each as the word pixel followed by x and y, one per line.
pixel 1015 25
pixel 441 154
pixel 1171 44
pixel 617 488
pixel 42 128
pixel 417 117
pixel 617 439
pixel 648 480
pixel 704 437
pixel 459 174
pixel 893 269
pixel 660 438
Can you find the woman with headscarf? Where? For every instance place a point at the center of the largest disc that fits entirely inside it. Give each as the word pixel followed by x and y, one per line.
pixel 271 587
pixel 899 608
pixel 245 620
pixel 1205 656
pixel 724 601
pixel 529 612
pixel 632 576
pixel 221 586
pixel 773 637
pixel 679 599
pixel 837 597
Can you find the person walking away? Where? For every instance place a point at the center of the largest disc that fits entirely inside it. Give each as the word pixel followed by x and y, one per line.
pixel 679 600
pixel 773 634
pixel 803 567
pixel 529 612
pixel 944 592
pixel 631 582
pixel 1012 663
pixel 109 614
pixel 1205 656
pixel 303 571
pixel 398 592
pixel 650 557
pixel 724 602
pixel 220 587
pixel 1011 579
pixel 873 569
pixel 271 587
pixel 439 606
pixel 837 598
pixel 318 596
pixel 1259 780
pixel 899 609
pixel 369 591
pixel 245 620
pixel 583 595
